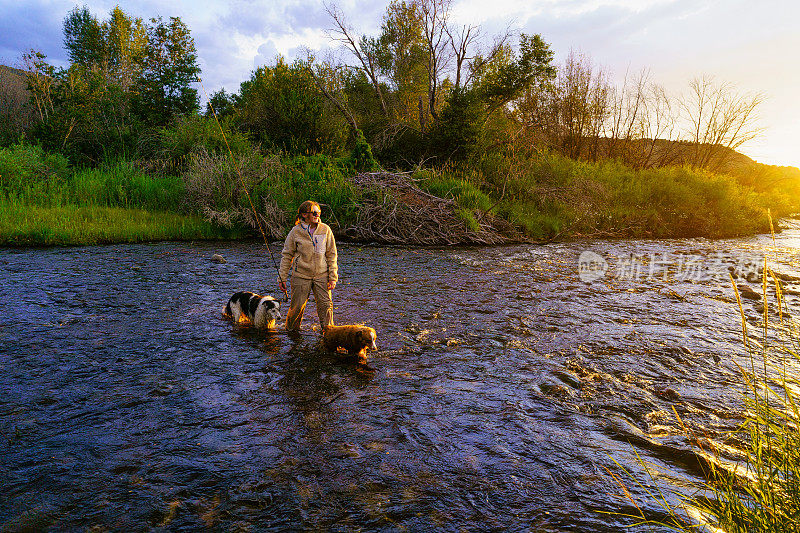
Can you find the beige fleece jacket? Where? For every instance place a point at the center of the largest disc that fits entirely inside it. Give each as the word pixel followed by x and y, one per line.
pixel 313 259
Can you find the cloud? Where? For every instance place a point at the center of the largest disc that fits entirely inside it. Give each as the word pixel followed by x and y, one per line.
pixel 266 53
pixel 24 26
pixel 250 18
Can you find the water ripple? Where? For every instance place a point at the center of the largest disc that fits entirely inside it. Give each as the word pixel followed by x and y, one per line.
pixel 504 390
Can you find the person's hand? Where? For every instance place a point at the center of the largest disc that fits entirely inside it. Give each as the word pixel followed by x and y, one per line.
pixel 331 285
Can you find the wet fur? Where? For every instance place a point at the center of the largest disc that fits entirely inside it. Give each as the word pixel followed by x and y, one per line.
pixel 261 311
pixel 355 339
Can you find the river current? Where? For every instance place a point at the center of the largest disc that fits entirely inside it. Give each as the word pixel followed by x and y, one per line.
pixel 510 387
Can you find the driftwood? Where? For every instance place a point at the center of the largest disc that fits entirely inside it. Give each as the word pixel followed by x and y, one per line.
pixel 393 210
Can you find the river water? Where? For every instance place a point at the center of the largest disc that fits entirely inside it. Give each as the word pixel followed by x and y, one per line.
pixel 509 388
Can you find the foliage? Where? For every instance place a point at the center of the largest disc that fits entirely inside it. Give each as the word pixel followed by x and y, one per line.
pixel 457 133
pixel 216 183
pixel 90 119
pixel 220 104
pixel 401 57
pixel 30 176
pixel 281 107
pixel 503 77
pixel 125 78
pixel 361 157
pixel 23 164
pixel 169 67
pixel 44 201
pixel 320 178
pixel 550 195
pixel 468 197
pixel 169 148
pixel 222 189
pixel 17 113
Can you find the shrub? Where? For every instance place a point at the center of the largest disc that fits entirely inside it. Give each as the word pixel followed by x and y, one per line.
pixel 22 165
pixel 170 148
pixel 361 157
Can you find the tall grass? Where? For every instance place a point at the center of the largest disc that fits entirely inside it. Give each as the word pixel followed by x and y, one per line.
pixel 30 176
pixel 44 201
pixel 448 184
pixel 548 194
pixel 765 495
pixel 545 195
pixel 28 225
pixel 221 187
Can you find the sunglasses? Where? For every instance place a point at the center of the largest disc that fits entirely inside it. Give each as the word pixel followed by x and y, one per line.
pixel 313 213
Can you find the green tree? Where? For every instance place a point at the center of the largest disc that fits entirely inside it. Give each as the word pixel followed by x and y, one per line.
pixel 283 109
pixel 400 50
pixel 496 83
pixel 125 45
pixel 457 133
pixel 124 78
pixel 436 91
pixel 220 104
pixel 83 37
pixel 89 121
pixel 170 66
pixel 115 47
pixel 505 76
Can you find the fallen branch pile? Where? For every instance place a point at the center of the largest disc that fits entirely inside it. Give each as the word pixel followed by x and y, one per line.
pixel 394 210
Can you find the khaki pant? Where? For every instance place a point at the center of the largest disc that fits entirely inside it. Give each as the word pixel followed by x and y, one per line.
pixel 301 288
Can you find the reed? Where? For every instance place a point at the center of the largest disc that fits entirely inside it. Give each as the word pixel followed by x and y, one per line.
pixel 764 495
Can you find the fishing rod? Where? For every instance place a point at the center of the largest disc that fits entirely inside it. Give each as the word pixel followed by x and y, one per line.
pixel 247 193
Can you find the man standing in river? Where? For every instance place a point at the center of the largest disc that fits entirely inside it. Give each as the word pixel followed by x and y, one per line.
pixel 310 246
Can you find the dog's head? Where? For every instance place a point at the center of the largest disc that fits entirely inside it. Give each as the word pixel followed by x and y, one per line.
pixel 272 309
pixel 369 337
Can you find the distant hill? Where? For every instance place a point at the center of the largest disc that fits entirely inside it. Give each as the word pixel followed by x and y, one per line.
pixel 13 81
pixel 16 113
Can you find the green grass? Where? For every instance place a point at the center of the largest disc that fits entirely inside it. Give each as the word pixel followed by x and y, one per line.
pixel 320 178
pixel 44 202
pixel 546 195
pixel 26 225
pixel 119 185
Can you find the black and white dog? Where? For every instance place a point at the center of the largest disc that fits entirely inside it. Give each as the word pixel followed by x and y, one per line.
pixel 261 311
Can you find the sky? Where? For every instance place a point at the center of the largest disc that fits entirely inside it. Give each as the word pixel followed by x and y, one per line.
pixel 752 45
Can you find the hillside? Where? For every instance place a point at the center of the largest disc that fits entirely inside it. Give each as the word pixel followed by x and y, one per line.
pixel 16 115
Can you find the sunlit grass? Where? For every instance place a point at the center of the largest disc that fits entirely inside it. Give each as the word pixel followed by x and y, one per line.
pixel 551 195
pixel 547 196
pixel 25 225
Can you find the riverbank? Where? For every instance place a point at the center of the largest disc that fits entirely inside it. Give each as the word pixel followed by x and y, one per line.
pixel 45 201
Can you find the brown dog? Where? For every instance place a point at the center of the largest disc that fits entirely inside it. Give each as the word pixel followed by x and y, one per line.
pixel 354 339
